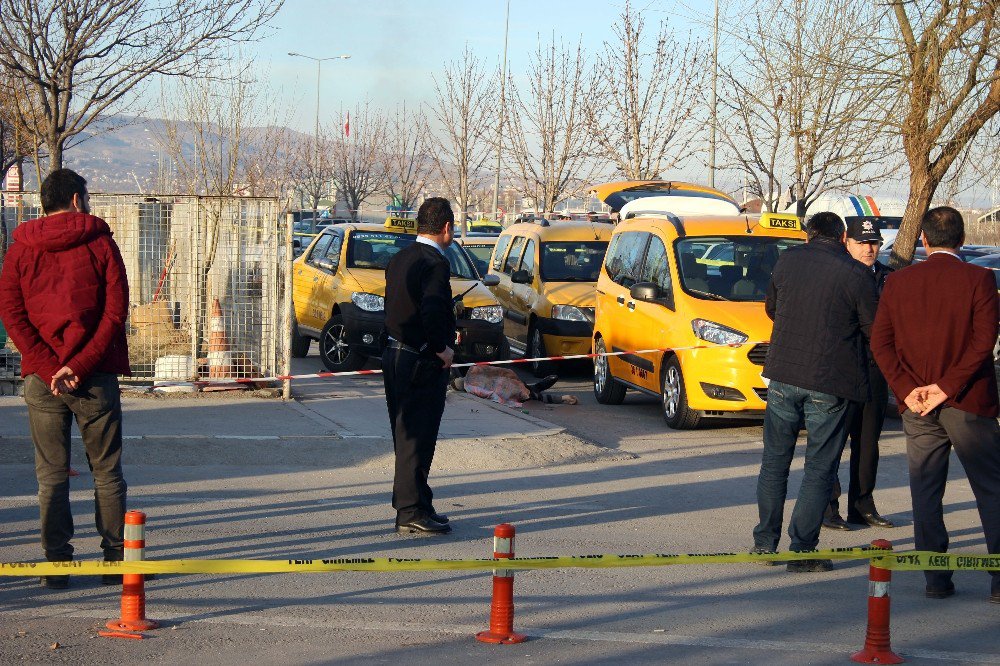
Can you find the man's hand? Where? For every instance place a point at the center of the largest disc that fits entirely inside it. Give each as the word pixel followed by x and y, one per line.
pixel 931 397
pixel 915 401
pixel 447 357
pixel 64 381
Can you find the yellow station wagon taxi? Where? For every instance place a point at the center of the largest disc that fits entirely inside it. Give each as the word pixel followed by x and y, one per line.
pixel 547 273
pixel 674 282
pixel 338 291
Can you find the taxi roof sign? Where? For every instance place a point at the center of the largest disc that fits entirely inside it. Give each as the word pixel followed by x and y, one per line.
pixel 405 224
pixel 780 221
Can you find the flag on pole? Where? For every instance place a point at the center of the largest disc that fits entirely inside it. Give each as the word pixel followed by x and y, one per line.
pixel 347 125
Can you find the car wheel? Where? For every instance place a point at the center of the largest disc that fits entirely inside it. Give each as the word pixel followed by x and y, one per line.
pixel 606 388
pixel 337 355
pixel 536 349
pixel 300 343
pixel 676 412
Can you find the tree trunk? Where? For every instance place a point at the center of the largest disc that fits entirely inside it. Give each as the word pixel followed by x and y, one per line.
pixel 55 146
pixel 922 188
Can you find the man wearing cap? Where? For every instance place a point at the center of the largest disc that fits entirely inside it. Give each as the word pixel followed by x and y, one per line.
pixel 863 241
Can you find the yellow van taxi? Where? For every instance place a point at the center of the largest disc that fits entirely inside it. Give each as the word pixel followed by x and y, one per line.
pixel 547 273
pixel 657 290
pixel 338 292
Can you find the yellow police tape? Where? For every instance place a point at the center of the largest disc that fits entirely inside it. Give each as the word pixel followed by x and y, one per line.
pixel 897 561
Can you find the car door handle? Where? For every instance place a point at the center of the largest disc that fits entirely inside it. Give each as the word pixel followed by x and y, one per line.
pixel 631 305
pixel 621 300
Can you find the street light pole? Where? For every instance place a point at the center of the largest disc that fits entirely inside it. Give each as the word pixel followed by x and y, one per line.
pixel 503 110
pixel 319 65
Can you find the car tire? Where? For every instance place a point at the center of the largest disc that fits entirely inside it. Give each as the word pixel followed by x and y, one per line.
pixel 673 397
pixel 300 343
pixel 536 349
pixel 607 389
pixel 336 354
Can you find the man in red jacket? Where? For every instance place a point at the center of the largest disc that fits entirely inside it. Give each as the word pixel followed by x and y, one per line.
pixel 933 339
pixel 64 300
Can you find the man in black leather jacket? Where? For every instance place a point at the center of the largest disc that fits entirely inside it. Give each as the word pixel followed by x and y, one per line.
pixel 823 305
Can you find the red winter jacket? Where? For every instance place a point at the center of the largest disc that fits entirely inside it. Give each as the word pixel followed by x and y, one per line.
pixel 64 296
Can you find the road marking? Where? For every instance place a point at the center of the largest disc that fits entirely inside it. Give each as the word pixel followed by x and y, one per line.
pixel 257 620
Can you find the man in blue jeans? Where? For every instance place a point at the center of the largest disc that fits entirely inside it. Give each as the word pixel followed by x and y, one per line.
pixel 823 305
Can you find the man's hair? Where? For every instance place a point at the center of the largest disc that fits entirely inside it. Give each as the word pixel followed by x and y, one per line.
pixel 58 189
pixel 434 215
pixel 825 225
pixel 943 226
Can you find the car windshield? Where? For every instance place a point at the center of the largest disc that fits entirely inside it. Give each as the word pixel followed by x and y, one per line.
pixel 729 268
pixel 374 249
pixel 572 261
pixel 480 255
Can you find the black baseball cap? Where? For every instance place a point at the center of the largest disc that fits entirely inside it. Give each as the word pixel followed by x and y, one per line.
pixel 863 230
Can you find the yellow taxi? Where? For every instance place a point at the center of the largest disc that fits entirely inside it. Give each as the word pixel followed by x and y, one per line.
pixel 547 273
pixel 691 285
pixel 338 291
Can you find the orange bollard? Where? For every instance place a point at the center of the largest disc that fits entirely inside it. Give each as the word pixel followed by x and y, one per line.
pixel 133 585
pixel 502 607
pixel 877 649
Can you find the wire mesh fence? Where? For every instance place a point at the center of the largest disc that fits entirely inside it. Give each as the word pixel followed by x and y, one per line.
pixel 207 282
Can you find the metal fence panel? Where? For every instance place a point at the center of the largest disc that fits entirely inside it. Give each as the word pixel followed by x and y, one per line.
pixel 206 279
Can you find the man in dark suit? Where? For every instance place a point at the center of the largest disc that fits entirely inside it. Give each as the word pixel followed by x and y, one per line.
pixel 863 241
pixel 420 321
pixel 823 305
pixel 933 338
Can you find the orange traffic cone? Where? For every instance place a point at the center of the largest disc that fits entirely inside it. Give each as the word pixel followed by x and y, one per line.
pixel 502 605
pixel 877 649
pixel 220 360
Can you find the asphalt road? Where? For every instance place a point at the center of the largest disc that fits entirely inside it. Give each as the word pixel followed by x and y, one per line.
pixel 266 480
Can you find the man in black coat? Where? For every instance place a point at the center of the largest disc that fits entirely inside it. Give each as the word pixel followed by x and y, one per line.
pixel 863 241
pixel 420 322
pixel 823 305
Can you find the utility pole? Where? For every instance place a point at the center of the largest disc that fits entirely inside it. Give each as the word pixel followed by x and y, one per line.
pixel 715 99
pixel 319 64
pixel 503 111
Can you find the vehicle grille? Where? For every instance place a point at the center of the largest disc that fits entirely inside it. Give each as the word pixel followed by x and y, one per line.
pixel 761 393
pixel 758 353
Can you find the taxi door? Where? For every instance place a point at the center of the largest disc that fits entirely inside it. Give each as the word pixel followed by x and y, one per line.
pixel 305 279
pixel 654 322
pixel 618 307
pixel 514 320
pixel 324 289
pixel 523 296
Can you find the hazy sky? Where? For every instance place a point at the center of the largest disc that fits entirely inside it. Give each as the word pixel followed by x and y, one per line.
pixel 396 47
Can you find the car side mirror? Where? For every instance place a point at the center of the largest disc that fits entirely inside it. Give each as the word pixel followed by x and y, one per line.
pixel 490 280
pixel 521 277
pixel 644 291
pixel 327 264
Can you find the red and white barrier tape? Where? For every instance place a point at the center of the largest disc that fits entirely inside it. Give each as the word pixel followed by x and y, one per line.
pixel 328 375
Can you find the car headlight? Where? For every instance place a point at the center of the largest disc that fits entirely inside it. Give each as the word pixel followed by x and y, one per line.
pixel 709 331
pixel 570 313
pixel 490 313
pixel 368 302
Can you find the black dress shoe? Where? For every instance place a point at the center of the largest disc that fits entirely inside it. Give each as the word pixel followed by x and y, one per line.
pixel 872 519
pixel 439 518
pixel 939 592
pixel 422 525
pixel 54 582
pixel 995 598
pixel 835 522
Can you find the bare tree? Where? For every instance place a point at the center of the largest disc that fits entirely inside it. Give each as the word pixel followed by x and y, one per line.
pixel 312 176
pixel 803 119
pixel 463 109
pixel 356 160
pixel 943 60
pixel 549 139
pixel 646 107
pixel 405 158
pixel 83 59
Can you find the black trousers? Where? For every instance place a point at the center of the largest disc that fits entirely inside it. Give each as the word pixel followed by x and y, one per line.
pixel 864 433
pixel 415 394
pixel 929 440
pixel 96 406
